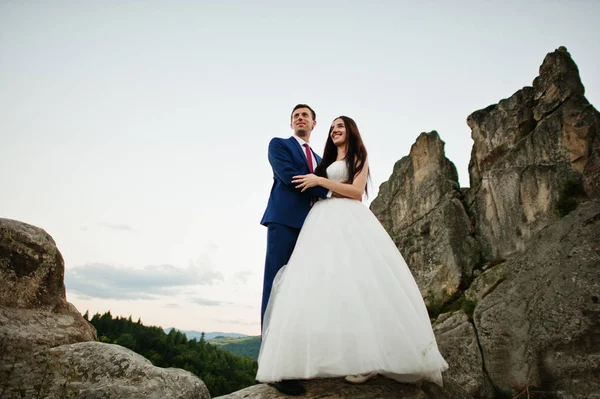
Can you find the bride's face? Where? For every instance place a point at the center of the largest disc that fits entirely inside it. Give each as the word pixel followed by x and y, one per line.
pixel 338 132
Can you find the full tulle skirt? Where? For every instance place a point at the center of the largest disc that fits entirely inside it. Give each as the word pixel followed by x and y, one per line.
pixel 346 303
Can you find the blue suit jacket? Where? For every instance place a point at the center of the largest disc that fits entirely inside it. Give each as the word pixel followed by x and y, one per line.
pixel 287 205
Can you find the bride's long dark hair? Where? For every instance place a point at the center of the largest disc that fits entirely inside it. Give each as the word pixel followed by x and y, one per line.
pixel 356 153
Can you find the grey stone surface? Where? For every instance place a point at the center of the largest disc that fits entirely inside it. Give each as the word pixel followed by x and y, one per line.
pixel 420 207
pixel 457 342
pixel 540 327
pixel 97 370
pixel 527 149
pixel 34 312
pixel 531 270
pixel 486 282
pixel 31 268
pixel 30 330
pixel 377 388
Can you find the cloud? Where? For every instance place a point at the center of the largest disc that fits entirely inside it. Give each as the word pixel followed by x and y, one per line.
pixel 238 322
pixel 247 306
pixel 81 296
pixel 110 282
pixel 208 302
pixel 110 226
pixel 242 277
pixel 120 227
pixel 172 306
pixel 213 246
pixel 206 271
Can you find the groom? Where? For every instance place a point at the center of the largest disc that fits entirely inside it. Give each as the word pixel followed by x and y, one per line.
pixel 288 206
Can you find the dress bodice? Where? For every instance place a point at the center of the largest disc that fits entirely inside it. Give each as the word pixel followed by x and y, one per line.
pixel 338 171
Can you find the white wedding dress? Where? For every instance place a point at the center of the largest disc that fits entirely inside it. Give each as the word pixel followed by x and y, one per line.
pixel 346 303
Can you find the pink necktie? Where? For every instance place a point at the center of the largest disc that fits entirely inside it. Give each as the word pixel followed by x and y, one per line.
pixel 308 157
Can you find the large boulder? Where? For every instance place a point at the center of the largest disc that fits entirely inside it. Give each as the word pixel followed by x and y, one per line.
pixel 534 157
pixel 540 326
pixel 31 267
pixel 24 331
pixel 34 312
pixel 97 370
pixel 420 207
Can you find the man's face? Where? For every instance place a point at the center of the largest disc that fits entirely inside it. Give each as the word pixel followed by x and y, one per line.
pixel 302 122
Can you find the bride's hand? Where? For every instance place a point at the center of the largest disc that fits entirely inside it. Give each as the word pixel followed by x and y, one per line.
pixel 306 181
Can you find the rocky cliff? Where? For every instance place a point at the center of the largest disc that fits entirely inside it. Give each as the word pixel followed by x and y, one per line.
pixel 520 247
pixel 530 152
pixel 421 207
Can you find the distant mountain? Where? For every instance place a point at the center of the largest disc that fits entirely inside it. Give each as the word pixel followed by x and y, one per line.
pixel 208 336
pixel 246 346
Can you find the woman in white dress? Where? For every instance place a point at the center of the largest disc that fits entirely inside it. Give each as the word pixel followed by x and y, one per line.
pixel 346 304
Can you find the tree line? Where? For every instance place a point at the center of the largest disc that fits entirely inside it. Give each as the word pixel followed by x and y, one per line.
pixel 221 371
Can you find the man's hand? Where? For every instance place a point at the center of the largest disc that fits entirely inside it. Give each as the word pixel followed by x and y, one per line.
pixel 306 181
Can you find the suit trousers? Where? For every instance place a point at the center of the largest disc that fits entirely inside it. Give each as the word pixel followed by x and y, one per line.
pixel 281 241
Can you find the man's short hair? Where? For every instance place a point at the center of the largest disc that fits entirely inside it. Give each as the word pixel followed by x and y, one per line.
pixel 314 114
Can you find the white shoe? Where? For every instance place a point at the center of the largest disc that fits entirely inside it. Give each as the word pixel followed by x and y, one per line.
pixel 360 378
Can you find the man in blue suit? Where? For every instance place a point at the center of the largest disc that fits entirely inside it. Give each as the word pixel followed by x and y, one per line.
pixel 288 206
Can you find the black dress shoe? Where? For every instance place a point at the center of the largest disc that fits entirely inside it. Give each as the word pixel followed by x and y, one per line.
pixel 289 387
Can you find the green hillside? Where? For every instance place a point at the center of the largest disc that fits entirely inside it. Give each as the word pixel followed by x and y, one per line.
pixel 246 346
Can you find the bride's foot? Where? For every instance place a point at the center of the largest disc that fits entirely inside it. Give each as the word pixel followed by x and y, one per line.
pixel 360 378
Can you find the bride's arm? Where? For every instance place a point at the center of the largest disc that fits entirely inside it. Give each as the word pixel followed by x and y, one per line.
pixel 354 190
pixel 284 169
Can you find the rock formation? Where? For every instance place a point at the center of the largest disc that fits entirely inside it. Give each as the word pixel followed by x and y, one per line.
pixel 529 152
pixel 540 327
pixel 97 370
pixel 420 207
pixel 34 312
pixel 521 244
pixel 47 349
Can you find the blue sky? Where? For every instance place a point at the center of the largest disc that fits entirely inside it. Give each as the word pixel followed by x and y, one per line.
pixel 135 132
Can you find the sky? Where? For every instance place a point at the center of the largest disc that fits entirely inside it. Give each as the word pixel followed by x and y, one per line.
pixel 135 132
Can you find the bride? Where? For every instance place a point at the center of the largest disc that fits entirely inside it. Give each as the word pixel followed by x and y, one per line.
pixel 346 303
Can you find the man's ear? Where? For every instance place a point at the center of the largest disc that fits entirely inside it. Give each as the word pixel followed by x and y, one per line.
pixel 314 124
pixel 291 127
